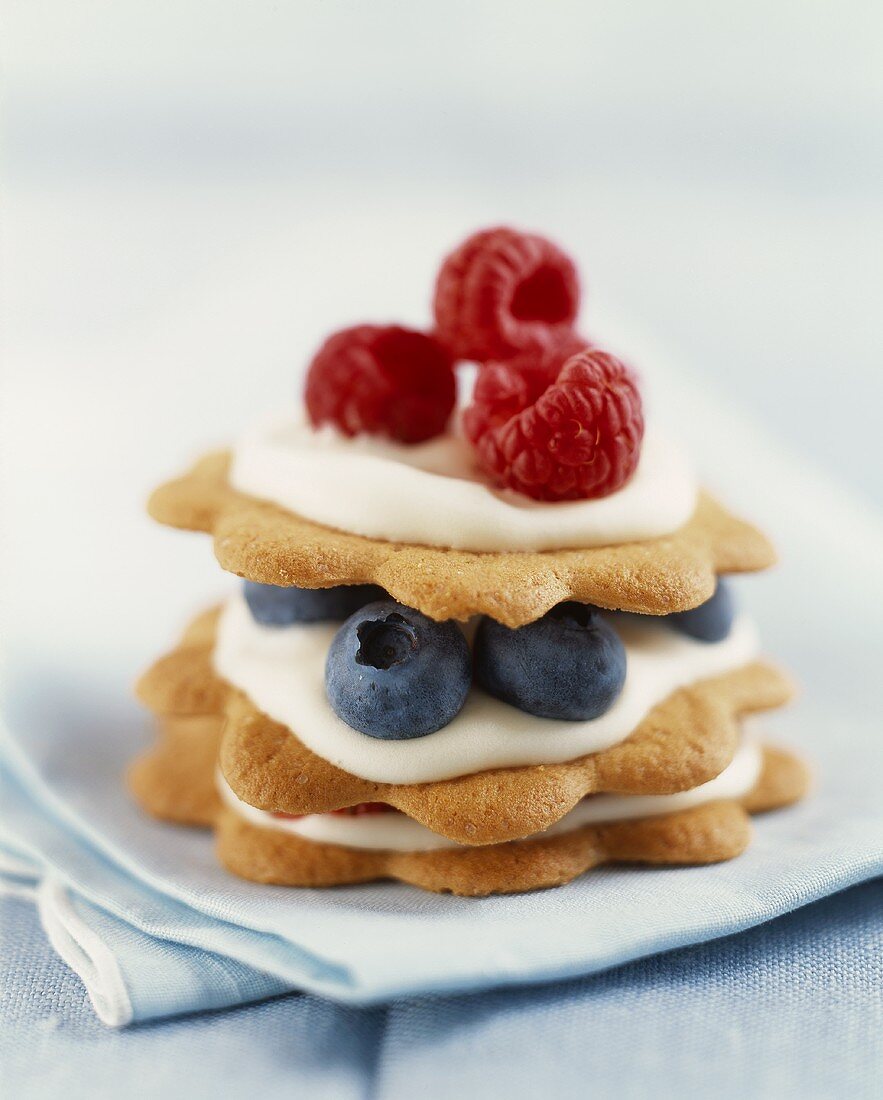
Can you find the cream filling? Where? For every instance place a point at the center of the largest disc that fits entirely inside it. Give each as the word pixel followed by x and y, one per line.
pixel 399 833
pixel 282 670
pixel 430 493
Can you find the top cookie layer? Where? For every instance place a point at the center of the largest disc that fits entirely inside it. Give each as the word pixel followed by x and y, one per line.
pixel 264 543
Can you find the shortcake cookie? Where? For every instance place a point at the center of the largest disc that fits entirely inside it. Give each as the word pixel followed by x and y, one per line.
pixel 684 739
pixel 178 783
pixel 257 539
pixel 485 638
pixel 176 779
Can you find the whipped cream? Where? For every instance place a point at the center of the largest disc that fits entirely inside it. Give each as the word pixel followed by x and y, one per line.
pixel 397 832
pixel 282 670
pixel 431 494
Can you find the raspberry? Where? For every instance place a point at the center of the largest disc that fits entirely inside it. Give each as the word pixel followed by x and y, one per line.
pixel 383 381
pixel 503 291
pixel 570 434
pixel 504 389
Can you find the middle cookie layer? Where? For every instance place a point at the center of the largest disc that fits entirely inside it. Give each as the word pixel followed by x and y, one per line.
pixel 282 671
pixel 686 739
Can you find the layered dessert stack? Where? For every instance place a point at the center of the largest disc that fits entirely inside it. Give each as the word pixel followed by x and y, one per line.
pixel 483 641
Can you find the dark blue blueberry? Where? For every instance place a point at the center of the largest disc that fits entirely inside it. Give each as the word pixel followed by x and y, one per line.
pixel 569 664
pixel 710 621
pixel 273 605
pixel 394 674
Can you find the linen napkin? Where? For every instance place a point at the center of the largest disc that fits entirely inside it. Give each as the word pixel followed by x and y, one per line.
pixel 142 909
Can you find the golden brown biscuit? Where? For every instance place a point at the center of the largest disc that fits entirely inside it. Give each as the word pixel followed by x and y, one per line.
pixel 175 779
pixel 264 543
pixel 685 740
pixel 704 834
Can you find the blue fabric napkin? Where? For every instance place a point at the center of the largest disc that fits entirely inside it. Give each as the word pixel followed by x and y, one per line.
pixel 789 1009
pixel 128 974
pixel 183 934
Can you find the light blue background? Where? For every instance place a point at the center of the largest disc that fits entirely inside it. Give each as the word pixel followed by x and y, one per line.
pixel 182 192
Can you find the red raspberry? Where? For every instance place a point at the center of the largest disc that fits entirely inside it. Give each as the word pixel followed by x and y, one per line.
pixel 576 437
pixel 503 291
pixel 504 389
pixel 383 381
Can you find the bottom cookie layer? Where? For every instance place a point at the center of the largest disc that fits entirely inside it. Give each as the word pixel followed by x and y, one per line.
pixel 175 782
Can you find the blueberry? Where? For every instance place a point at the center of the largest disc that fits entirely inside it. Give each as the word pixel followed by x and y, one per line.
pixel 569 664
pixel 394 674
pixel 273 605
pixel 710 621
